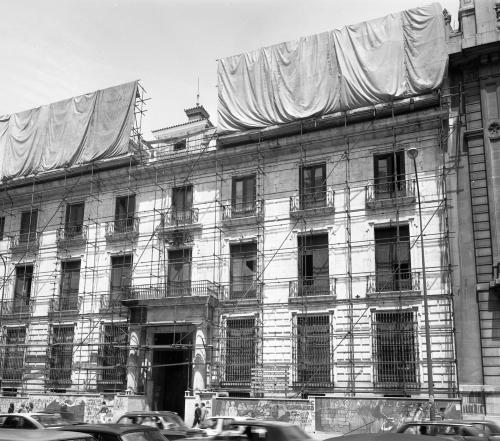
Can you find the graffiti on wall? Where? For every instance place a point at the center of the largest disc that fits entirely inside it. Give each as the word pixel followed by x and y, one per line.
pixel 298 412
pixel 344 415
pixel 89 409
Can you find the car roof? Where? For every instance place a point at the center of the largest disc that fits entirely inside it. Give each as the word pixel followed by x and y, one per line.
pixel 441 423
pixel 382 436
pixel 116 429
pixel 40 435
pixel 150 412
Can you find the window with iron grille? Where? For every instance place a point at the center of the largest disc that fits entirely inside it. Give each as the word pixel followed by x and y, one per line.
pixel 395 349
pixel 392 258
pixel 121 276
pixel 22 288
pixel 29 222
pixel 243 270
pixel 179 272
pixel 70 281
pixel 124 213
pixel 240 357
pixel 113 354
pixel 13 356
pixel 74 220
pixel 2 227
pixel 313 350
pixel 243 195
pixel 61 354
pixel 389 171
pixel 313 265
pixel 312 186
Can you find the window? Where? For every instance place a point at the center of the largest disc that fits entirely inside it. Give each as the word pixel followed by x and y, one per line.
pixel 74 220
pixel 61 354
pixel 179 272
pixel 313 358
pixel 395 348
pixel 182 204
pixel 14 354
pixel 121 276
pixel 243 195
pixel 181 145
pixel 389 170
pixel 313 265
pixel 29 220
pixel 392 259
pixel 240 349
pixel 70 281
pixel 313 186
pixel 124 213
pixel 22 288
pixel 243 270
pixel 113 353
pixel 2 227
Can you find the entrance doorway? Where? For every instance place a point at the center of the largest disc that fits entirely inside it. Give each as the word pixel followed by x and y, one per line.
pixel 171 370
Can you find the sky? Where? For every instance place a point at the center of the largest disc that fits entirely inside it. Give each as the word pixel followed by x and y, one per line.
pixel 56 49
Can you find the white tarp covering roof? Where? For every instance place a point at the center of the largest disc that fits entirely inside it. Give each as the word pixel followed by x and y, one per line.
pixel 395 56
pixel 70 132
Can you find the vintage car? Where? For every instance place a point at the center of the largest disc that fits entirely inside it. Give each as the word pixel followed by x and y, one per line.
pixel 120 432
pixel 38 420
pixel 43 435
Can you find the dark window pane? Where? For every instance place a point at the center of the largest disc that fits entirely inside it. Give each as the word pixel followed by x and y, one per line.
pixel 29 220
pixel 313 186
pixel 243 270
pixel 74 219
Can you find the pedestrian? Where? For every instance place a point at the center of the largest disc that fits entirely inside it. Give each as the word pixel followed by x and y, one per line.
pixel 204 412
pixel 11 408
pixel 197 415
pixel 103 411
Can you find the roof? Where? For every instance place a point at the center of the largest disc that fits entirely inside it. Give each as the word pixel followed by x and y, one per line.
pixel 39 435
pixel 116 429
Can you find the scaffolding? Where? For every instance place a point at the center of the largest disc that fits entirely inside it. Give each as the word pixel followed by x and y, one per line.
pixel 287 268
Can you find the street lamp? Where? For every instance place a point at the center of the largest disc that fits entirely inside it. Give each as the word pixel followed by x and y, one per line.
pixel 412 153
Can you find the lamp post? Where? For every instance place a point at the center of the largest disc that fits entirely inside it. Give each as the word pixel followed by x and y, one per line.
pixel 412 153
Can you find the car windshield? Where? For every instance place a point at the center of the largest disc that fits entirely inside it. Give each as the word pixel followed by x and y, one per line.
pixel 49 420
pixel 143 436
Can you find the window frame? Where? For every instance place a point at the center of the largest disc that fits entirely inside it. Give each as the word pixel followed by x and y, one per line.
pixel 313 195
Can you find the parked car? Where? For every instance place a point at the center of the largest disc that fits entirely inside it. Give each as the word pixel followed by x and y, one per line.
pixel 169 423
pixel 256 430
pixel 490 428
pixel 37 420
pixel 227 425
pixel 43 435
pixel 457 430
pixel 381 436
pixel 120 432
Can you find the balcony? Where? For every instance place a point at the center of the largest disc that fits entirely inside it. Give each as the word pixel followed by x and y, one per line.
pixel 112 368
pixel 17 308
pixel 72 236
pixel 388 194
pixel 310 204
pixel 312 287
pixel 242 289
pixel 122 229
pixel 113 301
pixel 393 282
pixel 25 242
pixel 65 304
pixel 243 213
pixel 13 368
pixel 199 288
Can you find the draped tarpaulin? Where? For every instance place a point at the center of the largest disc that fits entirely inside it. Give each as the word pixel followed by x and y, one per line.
pixel 70 132
pixel 396 56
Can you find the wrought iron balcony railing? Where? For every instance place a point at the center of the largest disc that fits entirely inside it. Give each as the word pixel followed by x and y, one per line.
pixel 113 300
pixel 314 286
pixel 25 242
pixel 320 201
pixel 112 368
pixel 384 193
pixel 173 289
pixel 21 306
pixel 393 281
pixel 242 288
pixel 242 210
pixel 120 229
pixel 64 303
pixel 72 235
pixel 175 217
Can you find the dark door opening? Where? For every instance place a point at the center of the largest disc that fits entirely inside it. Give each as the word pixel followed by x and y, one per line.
pixel 171 371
